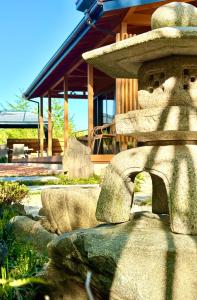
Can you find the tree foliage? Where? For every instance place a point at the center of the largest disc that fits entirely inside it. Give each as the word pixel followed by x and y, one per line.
pixel 23 105
pixel 58 120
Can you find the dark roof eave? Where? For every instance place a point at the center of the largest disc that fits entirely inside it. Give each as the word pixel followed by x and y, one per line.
pixel 76 35
pixel 82 5
pixel 110 5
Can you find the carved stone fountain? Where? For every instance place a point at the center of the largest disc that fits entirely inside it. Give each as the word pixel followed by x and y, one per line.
pixel 165 62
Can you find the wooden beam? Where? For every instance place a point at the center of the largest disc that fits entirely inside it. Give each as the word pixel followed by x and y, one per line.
pixel 101 158
pixel 41 127
pixel 158 4
pixel 129 14
pixel 96 46
pixel 65 112
pixel 90 100
pixel 77 97
pixel 54 86
pixel 50 134
pixel 140 20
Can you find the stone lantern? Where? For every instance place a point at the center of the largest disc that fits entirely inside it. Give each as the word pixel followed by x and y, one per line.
pixel 165 62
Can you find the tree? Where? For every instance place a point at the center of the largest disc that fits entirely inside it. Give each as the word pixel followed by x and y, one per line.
pixel 21 104
pixel 58 120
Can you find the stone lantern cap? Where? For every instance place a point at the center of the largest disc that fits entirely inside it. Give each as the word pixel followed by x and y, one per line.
pixel 123 59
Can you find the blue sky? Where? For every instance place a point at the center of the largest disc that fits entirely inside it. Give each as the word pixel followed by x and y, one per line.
pixel 31 31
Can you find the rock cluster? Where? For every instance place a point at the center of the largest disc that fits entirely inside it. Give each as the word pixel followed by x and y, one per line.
pixel 140 259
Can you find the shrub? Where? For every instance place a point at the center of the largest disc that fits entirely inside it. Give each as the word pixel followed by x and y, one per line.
pixel 139 179
pixel 12 192
pixel 3 160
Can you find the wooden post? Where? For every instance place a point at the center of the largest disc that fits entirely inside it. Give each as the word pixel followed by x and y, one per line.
pixel 50 136
pixel 41 127
pixel 90 101
pixel 123 28
pixel 120 89
pixel 65 112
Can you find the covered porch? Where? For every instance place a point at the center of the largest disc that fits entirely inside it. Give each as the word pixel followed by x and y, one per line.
pixel 67 76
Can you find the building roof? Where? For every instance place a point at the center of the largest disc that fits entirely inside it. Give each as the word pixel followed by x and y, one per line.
pixel 109 5
pixel 98 28
pixel 64 57
pixel 13 119
pixel 82 5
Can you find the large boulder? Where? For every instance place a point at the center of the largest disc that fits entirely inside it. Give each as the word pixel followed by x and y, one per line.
pixel 77 160
pixel 70 208
pixel 137 260
pixel 140 260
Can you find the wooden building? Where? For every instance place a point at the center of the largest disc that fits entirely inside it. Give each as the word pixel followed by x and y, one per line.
pixel 68 76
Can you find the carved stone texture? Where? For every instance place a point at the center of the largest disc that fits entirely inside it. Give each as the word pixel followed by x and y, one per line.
pixel 114 203
pixel 174 14
pixel 123 59
pixel 176 169
pixel 71 208
pixel 140 259
pixel 169 123
pixel 168 81
pixel 77 160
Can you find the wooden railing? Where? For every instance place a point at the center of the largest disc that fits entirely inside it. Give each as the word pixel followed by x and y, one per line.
pixel 58 145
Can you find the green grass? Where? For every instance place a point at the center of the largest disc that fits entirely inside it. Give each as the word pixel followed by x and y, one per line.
pixel 147 202
pixel 34 193
pixel 63 180
pixel 19 263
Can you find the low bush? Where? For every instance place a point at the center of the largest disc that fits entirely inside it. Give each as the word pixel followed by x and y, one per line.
pixel 3 160
pixel 12 192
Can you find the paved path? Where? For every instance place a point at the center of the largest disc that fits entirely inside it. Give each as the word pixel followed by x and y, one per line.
pixel 22 170
pixel 59 186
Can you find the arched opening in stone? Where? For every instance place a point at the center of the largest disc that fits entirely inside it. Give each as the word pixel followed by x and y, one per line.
pixel 150 193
